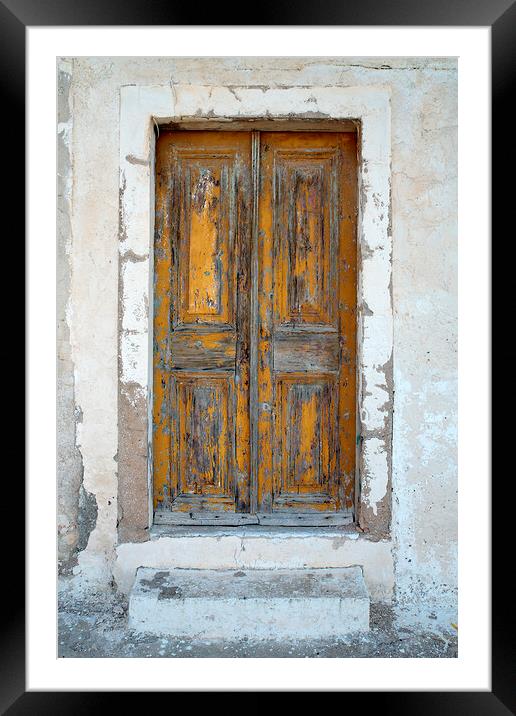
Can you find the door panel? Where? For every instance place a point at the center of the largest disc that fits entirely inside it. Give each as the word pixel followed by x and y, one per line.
pixel 305 235
pixel 305 453
pixel 306 351
pixel 201 322
pixel 205 266
pixel 205 438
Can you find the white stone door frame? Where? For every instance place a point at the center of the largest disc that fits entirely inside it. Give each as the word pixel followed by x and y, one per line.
pixel 142 108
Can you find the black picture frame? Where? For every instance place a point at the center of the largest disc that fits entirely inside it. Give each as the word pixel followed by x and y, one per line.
pixel 500 15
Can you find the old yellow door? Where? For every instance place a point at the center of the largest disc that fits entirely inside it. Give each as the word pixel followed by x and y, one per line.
pixel 255 325
pixel 201 321
pixel 307 322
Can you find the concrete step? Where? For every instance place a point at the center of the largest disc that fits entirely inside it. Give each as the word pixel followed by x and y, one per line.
pixel 257 604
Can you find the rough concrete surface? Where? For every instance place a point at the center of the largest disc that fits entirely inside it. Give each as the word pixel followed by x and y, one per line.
pixel 95 626
pixel 258 548
pixel 260 604
pixel 69 463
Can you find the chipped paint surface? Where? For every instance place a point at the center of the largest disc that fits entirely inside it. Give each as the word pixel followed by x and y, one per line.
pixel 375 467
pixel 407 293
pixel 69 465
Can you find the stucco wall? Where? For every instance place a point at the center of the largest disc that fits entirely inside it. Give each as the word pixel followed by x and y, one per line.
pixel 424 263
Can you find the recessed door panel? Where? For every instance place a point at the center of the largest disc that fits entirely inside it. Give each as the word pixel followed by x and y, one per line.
pixel 205 267
pixel 205 440
pixel 305 455
pixel 304 231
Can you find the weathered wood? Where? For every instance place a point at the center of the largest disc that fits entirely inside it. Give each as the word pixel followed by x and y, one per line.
pixel 305 234
pixel 208 519
pixel 307 329
pixel 305 427
pixel 325 519
pixel 239 519
pixel 255 322
pixel 297 351
pixel 280 124
pixel 265 367
pixel 205 501
pixel 201 324
pixel 205 419
pixel 195 351
pixel 205 276
pixel 163 458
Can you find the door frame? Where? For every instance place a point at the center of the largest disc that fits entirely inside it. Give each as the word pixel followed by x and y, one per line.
pixel 143 110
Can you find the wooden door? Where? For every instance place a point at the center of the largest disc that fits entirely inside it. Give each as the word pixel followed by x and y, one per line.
pixel 201 321
pixel 255 324
pixel 307 322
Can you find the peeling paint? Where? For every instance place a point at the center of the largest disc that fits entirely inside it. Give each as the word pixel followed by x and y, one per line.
pixel 374 489
pixel 69 460
pixel 87 519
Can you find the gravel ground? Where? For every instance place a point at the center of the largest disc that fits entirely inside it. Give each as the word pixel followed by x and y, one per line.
pixel 95 625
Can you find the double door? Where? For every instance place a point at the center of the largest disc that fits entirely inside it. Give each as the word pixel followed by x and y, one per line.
pixel 254 326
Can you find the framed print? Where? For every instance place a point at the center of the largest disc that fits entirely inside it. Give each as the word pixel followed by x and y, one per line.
pixel 272 416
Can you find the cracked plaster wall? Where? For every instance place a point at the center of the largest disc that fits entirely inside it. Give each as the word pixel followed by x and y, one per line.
pixel 424 262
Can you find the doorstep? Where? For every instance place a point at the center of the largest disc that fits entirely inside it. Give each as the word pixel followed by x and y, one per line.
pixel 255 603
